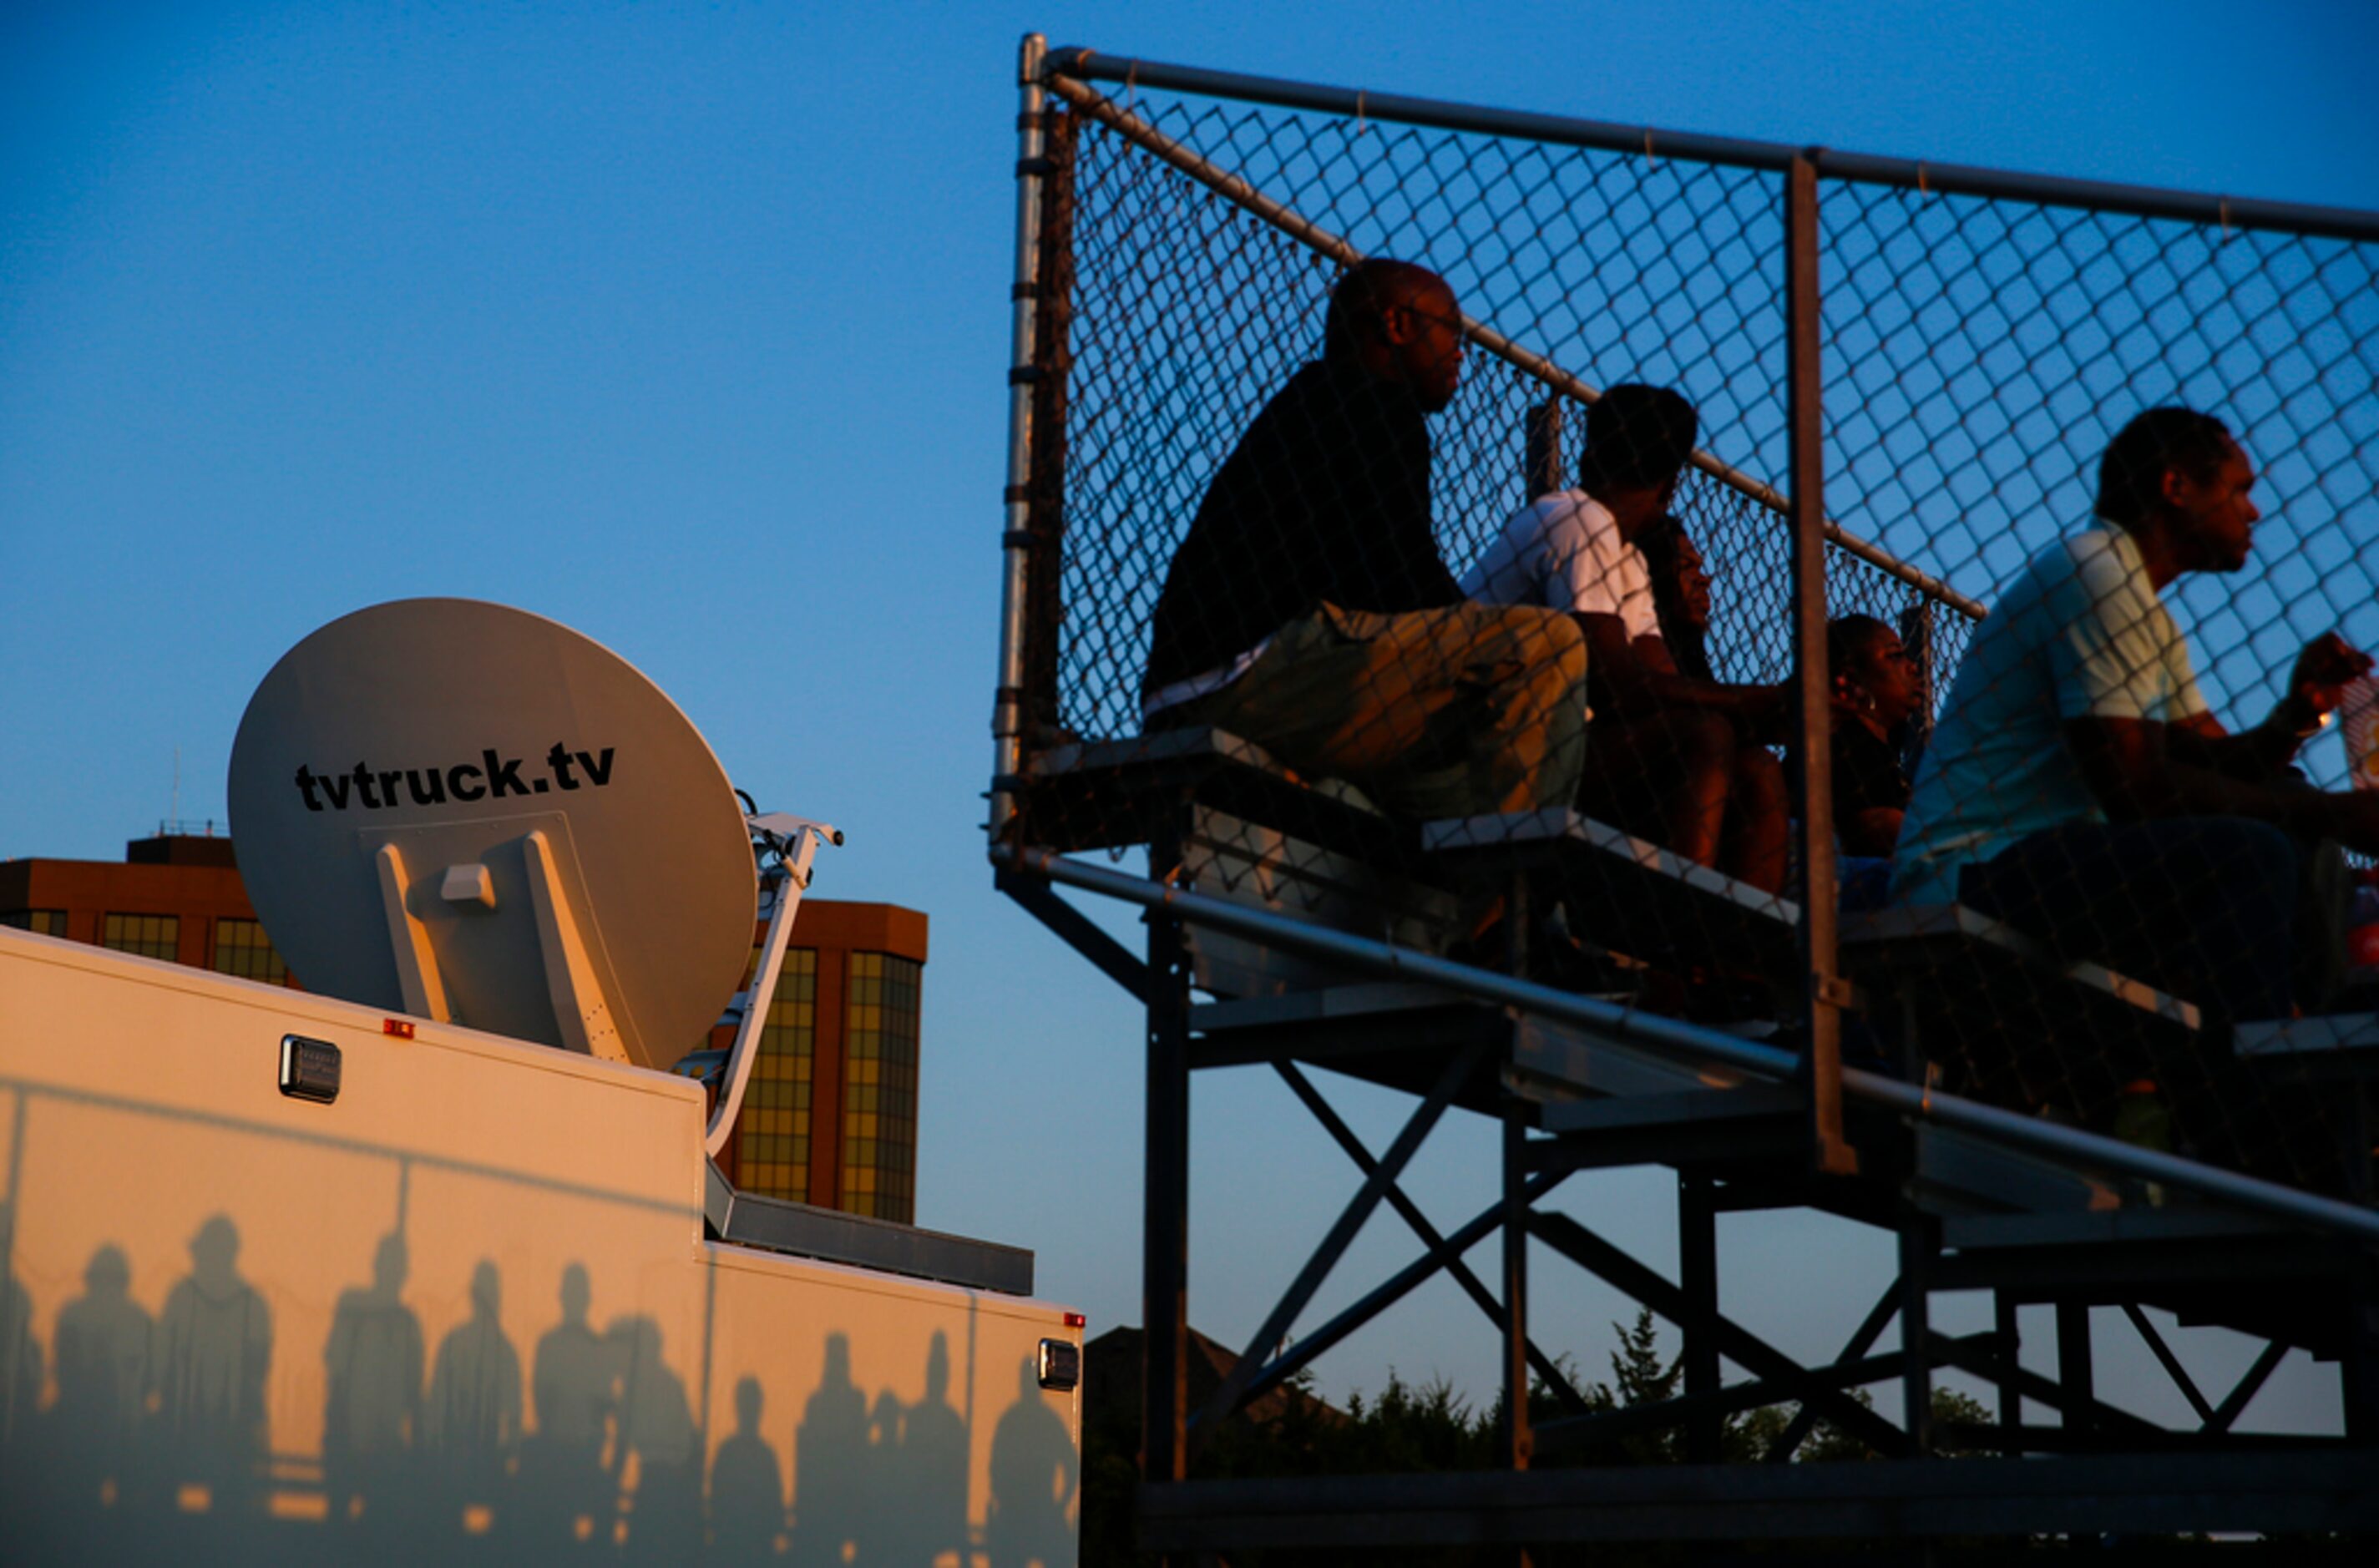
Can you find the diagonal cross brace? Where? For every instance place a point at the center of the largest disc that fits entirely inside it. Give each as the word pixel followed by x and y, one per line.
pixel 1805 1418
pixel 1395 1288
pixel 1077 930
pixel 2043 1390
pixel 2236 1401
pixel 1738 1344
pixel 2171 1364
pixel 1609 1425
pixel 1600 1257
pixel 1547 1372
pixel 1341 1236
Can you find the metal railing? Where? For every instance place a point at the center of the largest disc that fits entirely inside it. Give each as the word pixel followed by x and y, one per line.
pixel 1702 1045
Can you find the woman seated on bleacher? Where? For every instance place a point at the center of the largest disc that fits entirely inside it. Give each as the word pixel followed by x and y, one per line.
pixel 1876 691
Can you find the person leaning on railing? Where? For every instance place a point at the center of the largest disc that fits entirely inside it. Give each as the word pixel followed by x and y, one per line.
pixel 1676 757
pixel 1309 610
pixel 2078 786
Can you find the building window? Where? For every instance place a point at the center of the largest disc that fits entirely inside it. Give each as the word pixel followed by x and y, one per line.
pixel 772 1130
pixel 49 922
pixel 879 1087
pixel 151 936
pixel 242 948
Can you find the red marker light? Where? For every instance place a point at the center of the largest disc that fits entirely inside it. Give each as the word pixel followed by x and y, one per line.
pixel 401 1028
pixel 1076 1321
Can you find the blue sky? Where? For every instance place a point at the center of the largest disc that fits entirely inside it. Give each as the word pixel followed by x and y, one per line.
pixel 687 327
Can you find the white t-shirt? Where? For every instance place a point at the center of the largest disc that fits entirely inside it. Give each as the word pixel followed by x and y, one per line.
pixel 2361 709
pixel 1562 551
pixel 2081 633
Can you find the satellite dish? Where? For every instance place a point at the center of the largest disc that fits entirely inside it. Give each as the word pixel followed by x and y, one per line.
pixel 466 812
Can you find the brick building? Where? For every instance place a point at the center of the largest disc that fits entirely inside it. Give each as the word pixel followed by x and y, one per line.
pixel 831 1117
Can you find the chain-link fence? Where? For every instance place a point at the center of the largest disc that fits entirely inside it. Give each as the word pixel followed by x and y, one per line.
pixel 1189 313
pixel 1983 338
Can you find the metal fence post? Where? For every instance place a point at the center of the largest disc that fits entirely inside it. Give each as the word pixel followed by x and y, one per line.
pixel 1007 716
pixel 2360 1362
pixel 1543 457
pixel 1697 1281
pixel 1045 481
pixel 1519 1442
pixel 1164 1194
pixel 2074 1375
pixel 1916 1249
pixel 1519 1433
pixel 1820 907
pixel 2007 1329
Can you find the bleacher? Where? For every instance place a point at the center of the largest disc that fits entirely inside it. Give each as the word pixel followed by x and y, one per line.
pixel 1930 1071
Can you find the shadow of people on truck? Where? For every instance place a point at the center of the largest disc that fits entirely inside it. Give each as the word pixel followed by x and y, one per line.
pixel 657 1427
pixel 371 1412
pixel 102 1347
pixel 562 1490
pixel 934 1466
pixel 471 1425
pixel 214 1347
pixel 1032 1479
pixel 829 1452
pixel 747 1490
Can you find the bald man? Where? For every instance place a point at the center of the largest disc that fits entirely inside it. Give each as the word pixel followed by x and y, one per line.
pixel 1309 612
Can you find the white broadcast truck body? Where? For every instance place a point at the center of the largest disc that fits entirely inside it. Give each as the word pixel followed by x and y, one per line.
pixel 482 1304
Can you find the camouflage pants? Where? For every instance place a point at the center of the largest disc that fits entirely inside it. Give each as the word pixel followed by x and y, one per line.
pixel 1462 711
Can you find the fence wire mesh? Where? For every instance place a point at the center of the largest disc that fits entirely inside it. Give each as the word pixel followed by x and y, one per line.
pixel 1979 353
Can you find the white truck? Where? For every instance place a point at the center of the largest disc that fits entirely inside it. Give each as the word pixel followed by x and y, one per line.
pixel 289 1277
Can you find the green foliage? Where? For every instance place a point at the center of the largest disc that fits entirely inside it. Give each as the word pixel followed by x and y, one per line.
pixel 1406 1429
pixel 1952 1408
pixel 1635 1364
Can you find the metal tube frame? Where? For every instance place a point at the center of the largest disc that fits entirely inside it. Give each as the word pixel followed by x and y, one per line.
pixel 1907 173
pixel 1007 707
pixel 1697 1278
pixel 1440 1254
pixel 785 883
pixel 1542 1366
pixel 1694 1043
pixel 1165 1228
pixel 1519 1442
pixel 1383 1175
pixel 1820 908
pixel 1172 1435
pixel 1861 1339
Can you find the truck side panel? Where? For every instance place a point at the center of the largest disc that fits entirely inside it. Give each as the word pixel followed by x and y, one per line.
pixel 467 1308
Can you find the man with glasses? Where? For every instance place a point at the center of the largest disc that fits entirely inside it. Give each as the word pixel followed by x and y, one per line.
pixel 1309 612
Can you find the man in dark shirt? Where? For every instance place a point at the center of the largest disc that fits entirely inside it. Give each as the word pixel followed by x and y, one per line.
pixel 1308 609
